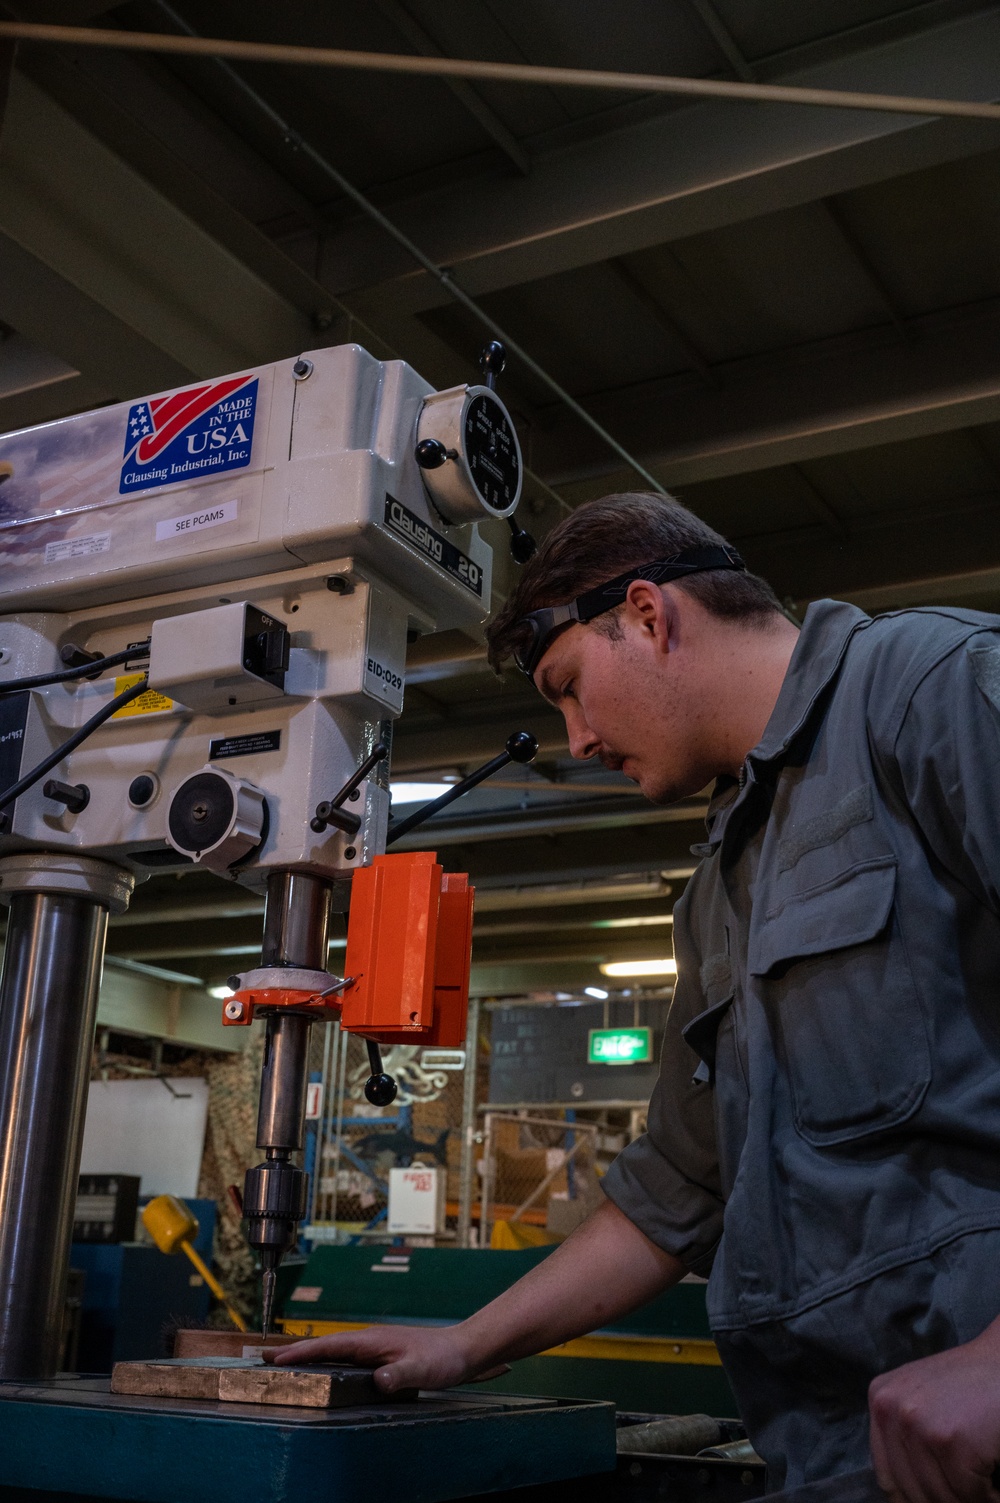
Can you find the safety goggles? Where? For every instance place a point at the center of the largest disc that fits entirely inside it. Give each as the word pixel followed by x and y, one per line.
pixel 545 624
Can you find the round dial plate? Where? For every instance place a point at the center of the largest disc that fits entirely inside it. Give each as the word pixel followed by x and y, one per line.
pixel 491 452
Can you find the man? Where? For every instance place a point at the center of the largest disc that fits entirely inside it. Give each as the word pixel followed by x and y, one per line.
pixel 824 1139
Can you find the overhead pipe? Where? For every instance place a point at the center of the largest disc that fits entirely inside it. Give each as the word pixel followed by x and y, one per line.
pixel 489 72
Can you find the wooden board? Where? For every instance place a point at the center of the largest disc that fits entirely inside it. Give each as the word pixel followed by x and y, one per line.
pixel 248 1380
pixel 203 1343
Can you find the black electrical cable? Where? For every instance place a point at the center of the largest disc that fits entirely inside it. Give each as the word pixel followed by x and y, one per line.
pixel 84 670
pixel 87 729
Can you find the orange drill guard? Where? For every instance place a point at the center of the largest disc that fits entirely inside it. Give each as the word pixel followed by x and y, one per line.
pixel 409 952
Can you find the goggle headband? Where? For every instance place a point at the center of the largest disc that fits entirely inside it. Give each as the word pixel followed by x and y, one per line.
pixel 546 622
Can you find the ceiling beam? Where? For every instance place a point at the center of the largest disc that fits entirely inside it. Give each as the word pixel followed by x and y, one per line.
pixel 680 173
pixel 723 38
pixel 828 397
pixel 423 43
pixel 7 51
pixel 592 946
pixel 549 819
pixel 477 732
pixel 578 855
pixel 188 154
pixel 100 269
pixel 907 557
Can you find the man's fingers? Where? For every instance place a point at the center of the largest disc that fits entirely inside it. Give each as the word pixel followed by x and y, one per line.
pixel 492 1372
pixel 907 1479
pixel 346 1346
pixel 915 1462
pixel 880 1459
pixel 397 1374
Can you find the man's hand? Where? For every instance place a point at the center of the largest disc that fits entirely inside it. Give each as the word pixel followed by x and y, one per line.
pixel 935 1425
pixel 402 1356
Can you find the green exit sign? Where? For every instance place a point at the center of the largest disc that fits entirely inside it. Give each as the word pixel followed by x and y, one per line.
pixel 620 1046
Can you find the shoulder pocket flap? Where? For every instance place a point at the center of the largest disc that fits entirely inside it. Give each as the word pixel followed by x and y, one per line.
pixel 848 910
pixel 701 1034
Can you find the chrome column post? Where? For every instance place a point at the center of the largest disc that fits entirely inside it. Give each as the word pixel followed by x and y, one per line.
pixel 275 1193
pixel 51 976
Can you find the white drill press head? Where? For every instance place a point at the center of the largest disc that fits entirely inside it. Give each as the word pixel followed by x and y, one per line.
pixel 263 543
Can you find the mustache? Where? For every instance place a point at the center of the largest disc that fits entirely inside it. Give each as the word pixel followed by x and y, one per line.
pixel 610 759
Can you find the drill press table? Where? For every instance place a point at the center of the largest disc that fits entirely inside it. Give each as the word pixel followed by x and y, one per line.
pixel 72 1437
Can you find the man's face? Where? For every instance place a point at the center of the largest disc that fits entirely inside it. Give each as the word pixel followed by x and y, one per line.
pixel 626 702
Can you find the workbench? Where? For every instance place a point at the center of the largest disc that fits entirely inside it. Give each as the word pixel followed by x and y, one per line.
pixel 72 1437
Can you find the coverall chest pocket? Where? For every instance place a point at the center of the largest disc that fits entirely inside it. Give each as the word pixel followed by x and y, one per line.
pixel 847 1021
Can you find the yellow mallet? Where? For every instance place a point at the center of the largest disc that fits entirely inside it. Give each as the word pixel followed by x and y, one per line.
pixel 171 1225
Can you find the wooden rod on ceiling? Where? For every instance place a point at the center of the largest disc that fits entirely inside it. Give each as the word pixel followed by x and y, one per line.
pixel 518 73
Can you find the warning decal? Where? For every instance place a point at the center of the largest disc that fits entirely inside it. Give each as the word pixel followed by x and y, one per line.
pixel 150 703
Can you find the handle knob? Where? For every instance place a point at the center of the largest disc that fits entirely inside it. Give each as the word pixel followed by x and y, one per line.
pixel 76 796
pixel 492 362
pixel 522 544
pixel 431 454
pixel 522 746
pixel 380 1089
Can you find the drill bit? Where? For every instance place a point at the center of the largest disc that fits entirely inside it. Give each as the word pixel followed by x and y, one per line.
pixel 269 1281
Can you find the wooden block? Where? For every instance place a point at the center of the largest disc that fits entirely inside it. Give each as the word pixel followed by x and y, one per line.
pixel 225 1343
pixel 247 1380
pixel 318 1387
pixel 198 1379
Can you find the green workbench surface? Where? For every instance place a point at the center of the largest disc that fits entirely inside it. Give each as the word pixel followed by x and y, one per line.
pixel 73 1437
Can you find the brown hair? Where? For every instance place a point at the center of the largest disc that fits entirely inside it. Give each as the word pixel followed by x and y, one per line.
pixel 604 538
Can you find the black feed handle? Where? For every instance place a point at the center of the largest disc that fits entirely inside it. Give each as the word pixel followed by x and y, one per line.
pixel 331 812
pixel 521 747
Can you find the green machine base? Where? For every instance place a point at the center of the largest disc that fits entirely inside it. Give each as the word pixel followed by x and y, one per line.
pixel 73 1439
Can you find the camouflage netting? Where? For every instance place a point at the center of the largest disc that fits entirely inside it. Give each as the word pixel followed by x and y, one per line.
pixel 230 1149
pixel 233 1089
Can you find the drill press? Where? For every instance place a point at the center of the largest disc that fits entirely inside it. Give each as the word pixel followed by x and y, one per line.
pixel 205 599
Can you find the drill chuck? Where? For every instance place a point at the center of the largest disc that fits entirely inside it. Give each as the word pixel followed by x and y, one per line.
pixel 275 1199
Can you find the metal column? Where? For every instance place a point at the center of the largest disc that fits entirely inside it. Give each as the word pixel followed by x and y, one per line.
pixel 467 1169
pixel 275 1193
pixel 48 1006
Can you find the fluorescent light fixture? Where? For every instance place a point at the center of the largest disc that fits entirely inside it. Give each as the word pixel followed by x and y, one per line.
pixel 639 968
pixel 640 921
pixel 596 991
pixel 417 793
pixel 220 992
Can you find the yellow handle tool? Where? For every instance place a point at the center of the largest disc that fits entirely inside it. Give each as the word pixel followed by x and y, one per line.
pixel 171 1225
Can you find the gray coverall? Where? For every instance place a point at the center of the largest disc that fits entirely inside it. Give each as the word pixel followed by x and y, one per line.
pixel 824 1138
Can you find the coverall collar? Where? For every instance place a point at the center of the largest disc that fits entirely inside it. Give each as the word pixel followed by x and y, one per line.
pixel 827 628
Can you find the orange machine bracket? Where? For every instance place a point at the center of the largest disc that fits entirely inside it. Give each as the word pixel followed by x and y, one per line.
pixel 409 946
pixel 409 951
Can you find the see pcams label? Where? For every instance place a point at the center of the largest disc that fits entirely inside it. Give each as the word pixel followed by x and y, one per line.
pixel 197 521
